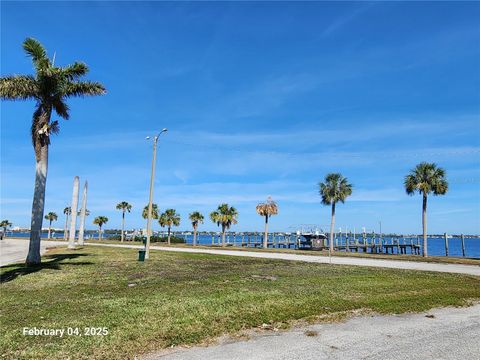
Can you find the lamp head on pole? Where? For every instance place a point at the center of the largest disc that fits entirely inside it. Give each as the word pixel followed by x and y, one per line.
pixel 156 137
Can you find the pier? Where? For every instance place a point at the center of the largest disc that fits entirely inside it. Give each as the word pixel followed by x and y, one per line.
pixel 365 243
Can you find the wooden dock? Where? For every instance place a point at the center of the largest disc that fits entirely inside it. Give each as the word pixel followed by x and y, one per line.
pixel 366 244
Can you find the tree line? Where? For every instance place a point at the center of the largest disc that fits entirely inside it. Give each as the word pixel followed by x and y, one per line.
pixel 425 179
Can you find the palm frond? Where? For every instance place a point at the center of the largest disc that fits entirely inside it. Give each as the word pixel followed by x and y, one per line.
pixel 84 88
pixel 154 211
pixel 426 178
pixel 196 217
pixel 100 220
pixel 5 223
pixel 61 108
pixel 410 184
pixel 335 188
pixel 51 216
pixel 124 206
pixel 267 208
pixel 18 87
pixel 74 71
pixel 225 215
pixel 54 127
pixel 169 218
pixel 37 52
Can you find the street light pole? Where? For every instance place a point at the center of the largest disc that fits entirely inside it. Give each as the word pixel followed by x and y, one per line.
pixel 152 177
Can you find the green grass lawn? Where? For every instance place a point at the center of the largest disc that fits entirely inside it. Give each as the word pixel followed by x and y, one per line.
pixel 178 298
pixel 406 257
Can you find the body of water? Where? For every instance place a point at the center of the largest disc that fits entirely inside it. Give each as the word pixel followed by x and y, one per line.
pixel 436 245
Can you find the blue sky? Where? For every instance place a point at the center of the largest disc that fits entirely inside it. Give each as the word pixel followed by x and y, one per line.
pixel 260 99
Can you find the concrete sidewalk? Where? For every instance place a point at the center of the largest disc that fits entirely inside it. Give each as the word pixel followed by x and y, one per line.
pixel 448 333
pixel 13 251
pixel 338 260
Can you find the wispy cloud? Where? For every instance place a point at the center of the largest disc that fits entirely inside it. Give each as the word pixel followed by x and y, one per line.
pixel 268 95
pixel 392 128
pixel 344 19
pixel 452 211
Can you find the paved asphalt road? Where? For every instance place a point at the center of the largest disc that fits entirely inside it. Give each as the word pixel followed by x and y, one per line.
pixel 452 333
pixel 12 251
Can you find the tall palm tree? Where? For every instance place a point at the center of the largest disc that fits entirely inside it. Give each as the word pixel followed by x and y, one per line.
pixel 169 218
pixel 267 209
pixel 50 87
pixel 100 221
pixel 4 224
pixel 426 178
pixel 87 212
pixel 335 188
pixel 67 211
pixel 154 213
pixel 125 207
pixel 196 218
pixel 225 216
pixel 51 216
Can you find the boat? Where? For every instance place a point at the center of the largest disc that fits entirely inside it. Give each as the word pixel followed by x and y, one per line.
pixel 315 240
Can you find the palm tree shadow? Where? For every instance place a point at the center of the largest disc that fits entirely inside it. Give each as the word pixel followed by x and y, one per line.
pixel 52 262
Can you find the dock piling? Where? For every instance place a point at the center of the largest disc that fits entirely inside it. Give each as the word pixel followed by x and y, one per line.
pixel 446 244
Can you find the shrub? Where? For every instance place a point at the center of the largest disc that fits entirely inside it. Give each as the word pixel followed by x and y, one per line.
pixel 154 238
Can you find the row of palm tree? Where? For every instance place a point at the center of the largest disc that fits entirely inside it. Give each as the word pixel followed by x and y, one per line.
pixel 425 179
pixel 224 216
pixel 99 220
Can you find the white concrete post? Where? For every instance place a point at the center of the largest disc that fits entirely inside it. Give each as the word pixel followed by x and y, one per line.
pixel 83 214
pixel 73 218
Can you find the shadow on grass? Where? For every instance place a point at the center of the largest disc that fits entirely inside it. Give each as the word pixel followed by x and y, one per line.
pixel 51 262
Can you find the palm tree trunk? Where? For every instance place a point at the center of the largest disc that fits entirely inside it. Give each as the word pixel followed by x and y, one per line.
pixel 49 230
pixel 123 225
pixel 41 167
pixel 169 235
pixel 99 232
pixel 65 230
pixel 265 237
pixel 332 227
pixel 223 235
pixel 83 210
pixel 194 236
pixel 74 213
pixel 424 225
